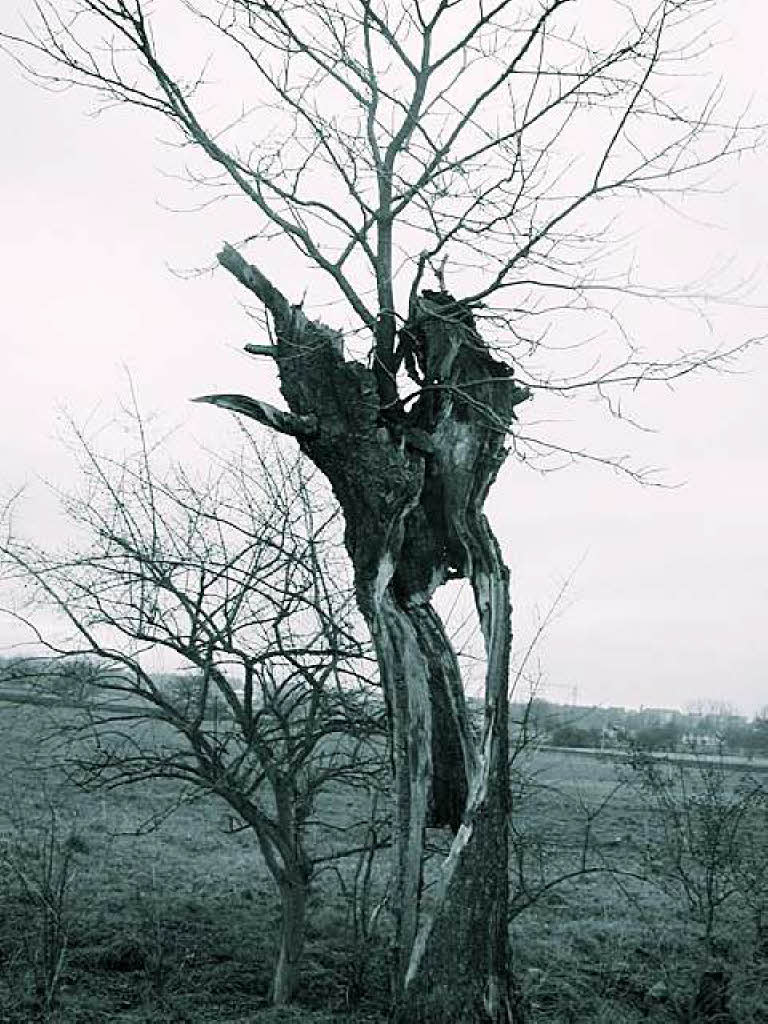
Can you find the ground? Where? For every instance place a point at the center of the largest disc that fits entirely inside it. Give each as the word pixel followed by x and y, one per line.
pixel 180 924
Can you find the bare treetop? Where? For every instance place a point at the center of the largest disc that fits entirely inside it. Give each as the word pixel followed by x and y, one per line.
pixel 485 142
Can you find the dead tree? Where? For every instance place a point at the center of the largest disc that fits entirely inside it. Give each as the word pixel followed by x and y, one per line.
pixel 407 133
pixel 422 524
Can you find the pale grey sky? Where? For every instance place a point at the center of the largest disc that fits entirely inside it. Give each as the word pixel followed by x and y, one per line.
pixel 669 603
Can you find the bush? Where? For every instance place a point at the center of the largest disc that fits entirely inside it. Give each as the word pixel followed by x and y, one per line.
pixel 573 736
pixel 39 864
pixel 659 737
pixel 707 849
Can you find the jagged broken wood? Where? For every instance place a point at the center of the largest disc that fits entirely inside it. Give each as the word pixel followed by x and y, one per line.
pixel 261 350
pixel 263 412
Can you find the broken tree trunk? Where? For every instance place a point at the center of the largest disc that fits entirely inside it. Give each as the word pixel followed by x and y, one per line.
pixel 412 486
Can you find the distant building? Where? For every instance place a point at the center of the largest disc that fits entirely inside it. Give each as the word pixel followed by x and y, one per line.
pixel 694 740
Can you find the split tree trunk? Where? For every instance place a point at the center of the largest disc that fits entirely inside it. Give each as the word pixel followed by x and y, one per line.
pixel 412 487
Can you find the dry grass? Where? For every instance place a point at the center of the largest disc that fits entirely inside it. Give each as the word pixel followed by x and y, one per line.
pixel 180 925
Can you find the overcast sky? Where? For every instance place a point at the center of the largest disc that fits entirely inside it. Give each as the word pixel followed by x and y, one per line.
pixel 669 601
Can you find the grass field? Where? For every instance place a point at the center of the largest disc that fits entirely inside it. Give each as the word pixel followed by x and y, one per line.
pixel 180 924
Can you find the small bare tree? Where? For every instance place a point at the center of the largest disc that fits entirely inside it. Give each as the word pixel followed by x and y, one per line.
pixel 238 577
pixel 706 848
pixel 39 859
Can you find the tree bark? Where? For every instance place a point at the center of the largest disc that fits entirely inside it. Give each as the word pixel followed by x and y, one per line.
pixel 459 968
pixel 412 486
pixel 293 904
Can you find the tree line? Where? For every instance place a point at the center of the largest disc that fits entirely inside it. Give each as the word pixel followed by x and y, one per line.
pixel 711 728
